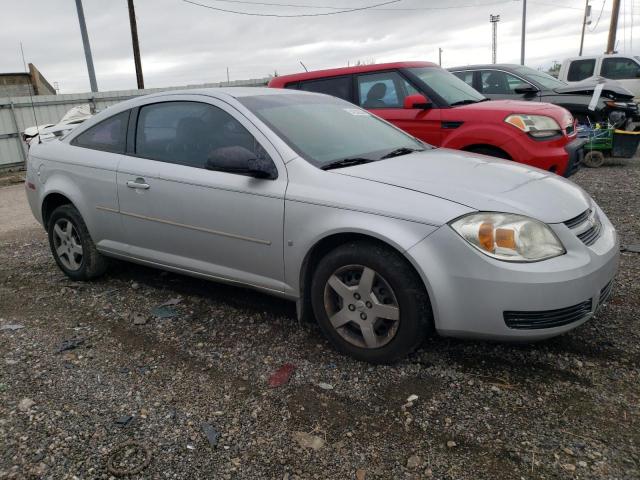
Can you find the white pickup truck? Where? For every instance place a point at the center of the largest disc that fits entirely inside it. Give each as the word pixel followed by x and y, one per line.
pixel 624 69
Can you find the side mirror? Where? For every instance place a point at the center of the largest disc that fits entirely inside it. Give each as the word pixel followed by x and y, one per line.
pixel 241 161
pixel 417 101
pixel 525 89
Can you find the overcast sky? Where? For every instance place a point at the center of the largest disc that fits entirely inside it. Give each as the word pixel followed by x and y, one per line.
pixel 187 44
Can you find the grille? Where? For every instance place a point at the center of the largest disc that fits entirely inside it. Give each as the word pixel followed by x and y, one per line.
pixel 586 226
pixel 605 293
pixel 590 236
pixel 575 221
pixel 547 318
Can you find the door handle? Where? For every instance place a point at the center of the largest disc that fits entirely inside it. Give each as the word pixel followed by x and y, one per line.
pixel 139 184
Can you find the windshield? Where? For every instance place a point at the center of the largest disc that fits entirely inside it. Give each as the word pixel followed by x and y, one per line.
pixel 324 129
pixel 544 79
pixel 447 86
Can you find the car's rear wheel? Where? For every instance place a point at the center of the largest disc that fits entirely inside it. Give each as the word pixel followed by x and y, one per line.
pixel 370 303
pixel 72 246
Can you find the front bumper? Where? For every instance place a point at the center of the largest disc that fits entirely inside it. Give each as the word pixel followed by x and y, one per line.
pixel 575 150
pixel 559 155
pixel 470 292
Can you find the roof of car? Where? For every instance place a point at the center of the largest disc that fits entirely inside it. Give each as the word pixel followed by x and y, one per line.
pixel 336 72
pixel 507 66
pixel 235 92
pixel 602 55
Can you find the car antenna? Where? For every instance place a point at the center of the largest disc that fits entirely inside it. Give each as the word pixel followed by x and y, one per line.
pixel 303 66
pixel 33 107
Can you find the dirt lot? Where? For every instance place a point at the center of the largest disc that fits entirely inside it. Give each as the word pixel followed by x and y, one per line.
pixel 565 408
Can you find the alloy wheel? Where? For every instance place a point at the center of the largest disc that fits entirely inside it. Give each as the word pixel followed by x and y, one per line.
pixel 361 306
pixel 67 245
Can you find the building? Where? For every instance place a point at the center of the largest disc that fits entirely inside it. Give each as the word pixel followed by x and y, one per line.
pixel 23 84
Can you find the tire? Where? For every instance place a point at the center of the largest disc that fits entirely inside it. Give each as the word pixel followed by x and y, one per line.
pixel 593 159
pixel 72 246
pixel 491 152
pixel 374 282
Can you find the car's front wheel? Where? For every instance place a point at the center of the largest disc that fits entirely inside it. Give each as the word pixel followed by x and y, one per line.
pixel 72 246
pixel 370 303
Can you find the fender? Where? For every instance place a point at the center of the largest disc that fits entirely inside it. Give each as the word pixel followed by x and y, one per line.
pixel 332 222
pixel 487 134
pixel 92 192
pixel 59 183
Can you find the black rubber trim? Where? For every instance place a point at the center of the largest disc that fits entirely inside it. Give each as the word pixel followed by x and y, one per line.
pixel 536 320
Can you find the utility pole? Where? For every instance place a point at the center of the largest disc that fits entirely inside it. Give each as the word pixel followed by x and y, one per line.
pixel 439 56
pixel 611 42
pixel 587 14
pixel 524 27
pixel 87 47
pixel 494 19
pixel 136 46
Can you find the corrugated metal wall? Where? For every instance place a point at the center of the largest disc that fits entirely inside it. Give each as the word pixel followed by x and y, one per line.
pixel 17 113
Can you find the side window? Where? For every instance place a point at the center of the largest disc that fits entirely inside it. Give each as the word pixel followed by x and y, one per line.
pixel 338 87
pixel 620 68
pixel 499 83
pixel 383 90
pixel 109 135
pixel 581 69
pixel 466 77
pixel 187 133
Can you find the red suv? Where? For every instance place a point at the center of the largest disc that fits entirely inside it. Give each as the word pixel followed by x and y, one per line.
pixel 439 108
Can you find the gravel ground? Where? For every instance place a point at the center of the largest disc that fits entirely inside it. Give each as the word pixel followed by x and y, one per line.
pixel 126 397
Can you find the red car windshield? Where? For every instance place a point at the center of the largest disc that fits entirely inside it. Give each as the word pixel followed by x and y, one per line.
pixel 447 86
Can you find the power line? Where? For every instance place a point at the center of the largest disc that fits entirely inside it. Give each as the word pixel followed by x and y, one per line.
pixel 368 7
pixel 371 7
pixel 599 16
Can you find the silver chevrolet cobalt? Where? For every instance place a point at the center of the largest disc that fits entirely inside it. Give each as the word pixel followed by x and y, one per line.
pixel 378 236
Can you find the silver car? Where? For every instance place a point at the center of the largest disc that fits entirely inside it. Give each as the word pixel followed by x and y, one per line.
pixel 378 236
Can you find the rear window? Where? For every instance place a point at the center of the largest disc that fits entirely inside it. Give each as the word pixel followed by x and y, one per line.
pixel 337 87
pixel 109 135
pixel 581 69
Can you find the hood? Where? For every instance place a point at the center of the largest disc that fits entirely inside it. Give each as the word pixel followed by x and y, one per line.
pixel 610 89
pixel 479 182
pixel 506 107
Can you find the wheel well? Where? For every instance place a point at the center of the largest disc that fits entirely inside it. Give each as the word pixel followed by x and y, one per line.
pixel 50 203
pixel 488 150
pixel 319 250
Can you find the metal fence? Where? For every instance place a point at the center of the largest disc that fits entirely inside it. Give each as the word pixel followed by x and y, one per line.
pixel 17 113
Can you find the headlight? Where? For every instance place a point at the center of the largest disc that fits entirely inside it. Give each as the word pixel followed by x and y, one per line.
pixel 509 237
pixel 612 104
pixel 537 126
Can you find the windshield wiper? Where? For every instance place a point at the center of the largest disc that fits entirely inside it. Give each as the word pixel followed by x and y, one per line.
pixel 346 162
pixel 467 102
pixel 400 151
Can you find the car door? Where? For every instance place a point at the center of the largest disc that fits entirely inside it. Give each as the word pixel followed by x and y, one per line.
pixel 383 94
pixel 179 214
pixel 500 85
pixel 623 70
